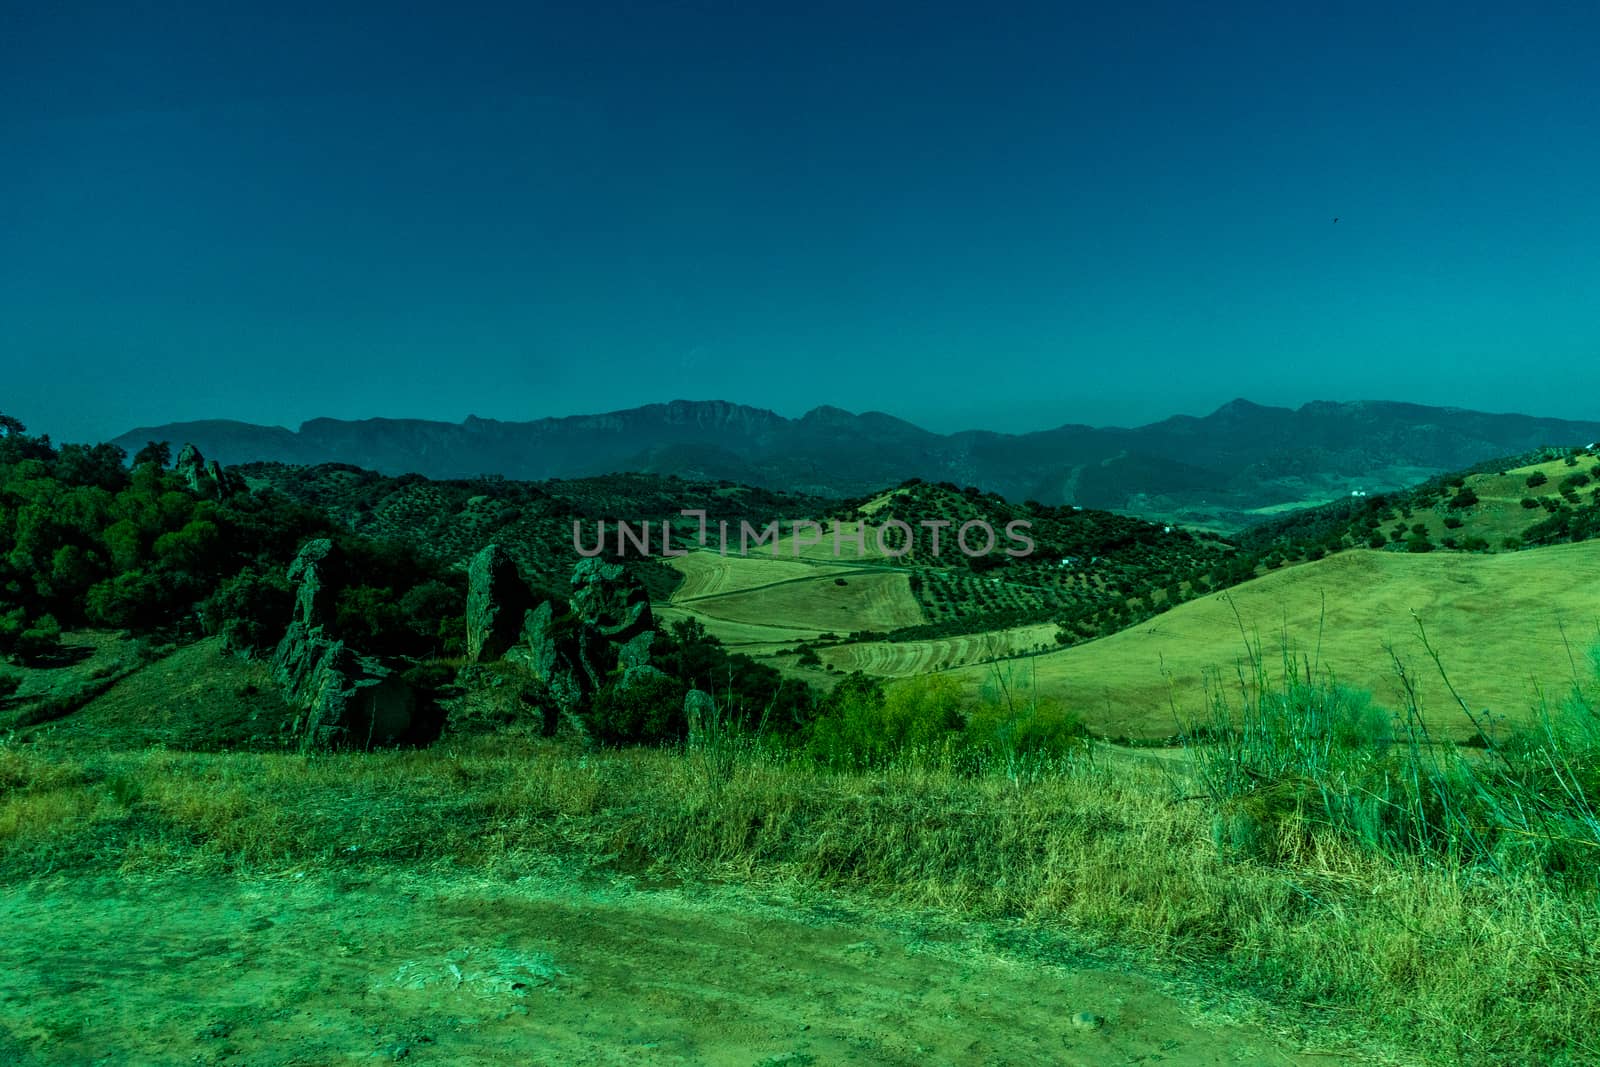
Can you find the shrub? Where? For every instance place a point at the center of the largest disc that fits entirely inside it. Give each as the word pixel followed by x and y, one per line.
pixel 250 610
pixel 1452 522
pixel 1529 502
pixel 1536 479
pixel 1464 499
pixel 10 682
pixel 39 641
pixel 864 725
pixel 648 710
pixel 1418 543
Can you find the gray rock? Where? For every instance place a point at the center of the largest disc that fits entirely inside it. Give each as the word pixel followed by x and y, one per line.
pixel 635 652
pixel 498 601
pixel 610 600
pixel 311 574
pixel 342 698
pixel 204 477
pixel 699 709
pixel 539 652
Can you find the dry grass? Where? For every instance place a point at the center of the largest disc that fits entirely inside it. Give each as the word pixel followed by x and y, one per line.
pixel 1497 620
pixel 1461 967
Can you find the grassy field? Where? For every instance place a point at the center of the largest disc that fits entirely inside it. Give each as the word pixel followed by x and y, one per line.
pixel 756 603
pixel 359 879
pixel 901 659
pixel 1509 629
pixel 1497 622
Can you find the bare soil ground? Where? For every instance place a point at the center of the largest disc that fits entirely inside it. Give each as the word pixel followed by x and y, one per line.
pixel 318 969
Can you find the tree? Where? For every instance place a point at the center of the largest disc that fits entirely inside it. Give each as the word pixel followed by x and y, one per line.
pixel 157 452
pixel 250 610
pixel 435 612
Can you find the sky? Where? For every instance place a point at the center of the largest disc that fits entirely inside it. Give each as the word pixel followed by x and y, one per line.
pixel 1004 216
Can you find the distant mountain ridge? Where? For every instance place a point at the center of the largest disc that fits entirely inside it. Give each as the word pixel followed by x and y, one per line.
pixel 1221 466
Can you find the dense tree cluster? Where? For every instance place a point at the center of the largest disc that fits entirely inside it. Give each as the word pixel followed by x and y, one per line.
pixel 87 540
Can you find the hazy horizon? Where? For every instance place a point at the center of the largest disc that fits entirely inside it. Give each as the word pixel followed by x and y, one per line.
pixel 1037 216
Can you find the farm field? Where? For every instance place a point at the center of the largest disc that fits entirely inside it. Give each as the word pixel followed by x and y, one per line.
pixel 758 600
pixel 1496 621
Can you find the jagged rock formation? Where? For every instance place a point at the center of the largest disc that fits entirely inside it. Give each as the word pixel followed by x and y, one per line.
pixel 617 625
pixel 498 601
pixel 600 637
pixel 342 698
pixel 205 477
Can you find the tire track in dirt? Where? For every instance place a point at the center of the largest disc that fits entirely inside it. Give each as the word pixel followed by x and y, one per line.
pixel 455 970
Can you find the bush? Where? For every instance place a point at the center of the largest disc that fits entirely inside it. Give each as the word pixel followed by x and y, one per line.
pixel 1452 522
pixel 1529 502
pixel 250 610
pixel 10 682
pixel 1418 543
pixel 1536 479
pixel 39 641
pixel 1464 499
pixel 864 725
pixel 647 711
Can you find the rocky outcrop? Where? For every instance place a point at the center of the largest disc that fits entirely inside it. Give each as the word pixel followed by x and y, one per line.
pixel 611 601
pixel 498 601
pixel 341 697
pixel 314 570
pixel 601 637
pixel 616 626
pixel 205 478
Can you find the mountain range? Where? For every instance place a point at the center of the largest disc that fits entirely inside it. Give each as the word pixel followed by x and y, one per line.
pixel 1223 469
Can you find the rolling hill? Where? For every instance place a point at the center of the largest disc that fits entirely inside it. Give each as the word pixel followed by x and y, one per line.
pixel 1508 628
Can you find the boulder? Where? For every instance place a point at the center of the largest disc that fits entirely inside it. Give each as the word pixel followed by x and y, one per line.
pixel 699 709
pixel 498 601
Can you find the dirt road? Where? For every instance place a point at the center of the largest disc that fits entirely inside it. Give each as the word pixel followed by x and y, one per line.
pixel 321 970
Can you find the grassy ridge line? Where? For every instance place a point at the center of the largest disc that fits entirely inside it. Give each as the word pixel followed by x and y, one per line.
pixel 1457 968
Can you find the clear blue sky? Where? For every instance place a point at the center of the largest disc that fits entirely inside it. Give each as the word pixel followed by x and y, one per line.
pixel 1009 216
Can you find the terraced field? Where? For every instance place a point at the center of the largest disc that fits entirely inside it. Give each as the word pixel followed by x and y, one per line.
pixel 707 574
pixel 899 659
pixel 757 603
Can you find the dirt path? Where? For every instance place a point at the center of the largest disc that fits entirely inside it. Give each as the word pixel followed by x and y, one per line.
pixel 460 971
